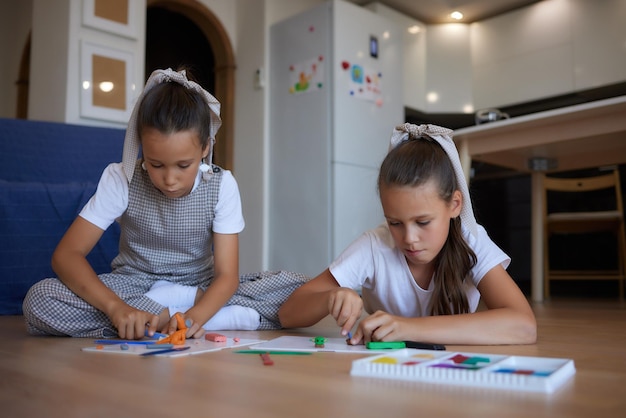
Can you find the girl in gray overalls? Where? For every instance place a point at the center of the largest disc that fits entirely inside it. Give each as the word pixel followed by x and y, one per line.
pixel 180 216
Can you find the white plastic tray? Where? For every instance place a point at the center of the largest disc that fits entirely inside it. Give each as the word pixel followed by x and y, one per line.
pixel 537 374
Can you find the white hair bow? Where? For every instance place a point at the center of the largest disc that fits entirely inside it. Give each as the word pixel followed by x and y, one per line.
pixel 131 140
pixel 408 131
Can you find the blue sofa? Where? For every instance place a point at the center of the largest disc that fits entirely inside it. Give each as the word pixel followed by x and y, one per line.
pixel 48 171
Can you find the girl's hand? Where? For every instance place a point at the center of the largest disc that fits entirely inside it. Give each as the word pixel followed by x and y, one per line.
pixel 345 305
pixel 381 326
pixel 194 329
pixel 131 323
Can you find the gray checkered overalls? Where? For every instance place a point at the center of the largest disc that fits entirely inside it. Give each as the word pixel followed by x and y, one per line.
pixel 152 248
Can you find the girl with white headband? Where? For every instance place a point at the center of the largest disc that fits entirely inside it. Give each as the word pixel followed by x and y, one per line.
pixel 180 216
pixel 423 271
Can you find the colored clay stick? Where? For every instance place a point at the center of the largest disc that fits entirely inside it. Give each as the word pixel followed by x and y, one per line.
pixel 156 335
pixel 212 336
pixel 377 345
pixel 279 352
pixel 160 346
pixel 130 342
pixel 168 350
pixel 424 346
pixel 266 359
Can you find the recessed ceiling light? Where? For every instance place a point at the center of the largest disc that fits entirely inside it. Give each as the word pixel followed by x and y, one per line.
pixel 456 15
pixel 414 29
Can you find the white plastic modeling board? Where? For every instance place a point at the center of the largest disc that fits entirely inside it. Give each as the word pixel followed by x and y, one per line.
pixel 293 343
pixel 196 346
pixel 537 374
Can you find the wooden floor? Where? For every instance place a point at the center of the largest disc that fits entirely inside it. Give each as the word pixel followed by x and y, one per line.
pixel 52 377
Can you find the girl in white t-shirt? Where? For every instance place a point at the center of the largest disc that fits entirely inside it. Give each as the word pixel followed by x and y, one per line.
pixel 422 273
pixel 179 215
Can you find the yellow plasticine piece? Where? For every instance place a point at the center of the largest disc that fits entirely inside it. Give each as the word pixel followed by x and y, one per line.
pixel 426 356
pixel 386 360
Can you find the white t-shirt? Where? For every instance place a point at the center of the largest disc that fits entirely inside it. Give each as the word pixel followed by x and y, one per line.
pixel 111 200
pixel 373 263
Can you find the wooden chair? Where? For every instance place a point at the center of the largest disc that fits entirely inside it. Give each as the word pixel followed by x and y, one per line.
pixel 610 219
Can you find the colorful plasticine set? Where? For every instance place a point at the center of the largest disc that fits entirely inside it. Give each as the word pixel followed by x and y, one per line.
pixel 536 374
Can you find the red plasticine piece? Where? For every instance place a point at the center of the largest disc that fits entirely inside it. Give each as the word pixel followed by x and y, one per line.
pixel 266 359
pixel 459 358
pixel 212 336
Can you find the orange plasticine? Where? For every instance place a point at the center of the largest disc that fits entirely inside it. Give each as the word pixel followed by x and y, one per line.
pixel 177 337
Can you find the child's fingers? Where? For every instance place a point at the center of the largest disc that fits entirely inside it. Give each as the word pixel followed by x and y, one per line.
pixel 197 333
pixel 376 326
pixel 152 325
pixel 173 325
pixel 350 314
pixel 349 324
pixel 357 337
pixel 343 306
pixel 181 322
pixel 192 327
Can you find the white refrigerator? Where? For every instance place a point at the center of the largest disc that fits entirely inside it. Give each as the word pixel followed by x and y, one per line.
pixel 335 96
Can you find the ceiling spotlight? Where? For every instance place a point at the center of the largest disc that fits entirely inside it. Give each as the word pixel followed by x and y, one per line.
pixel 456 15
pixel 414 29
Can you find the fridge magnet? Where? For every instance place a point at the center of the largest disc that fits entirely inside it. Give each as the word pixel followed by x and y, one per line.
pixel 364 83
pixel 306 76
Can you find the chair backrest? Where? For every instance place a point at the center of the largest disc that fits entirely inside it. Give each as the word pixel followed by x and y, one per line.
pixel 610 183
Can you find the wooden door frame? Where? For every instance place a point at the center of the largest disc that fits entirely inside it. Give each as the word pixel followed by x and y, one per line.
pixel 23 81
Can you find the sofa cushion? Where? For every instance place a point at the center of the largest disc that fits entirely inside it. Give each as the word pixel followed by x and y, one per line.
pixel 33 218
pixel 54 152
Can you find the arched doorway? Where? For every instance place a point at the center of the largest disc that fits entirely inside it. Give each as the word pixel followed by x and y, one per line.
pixel 221 80
pixel 183 45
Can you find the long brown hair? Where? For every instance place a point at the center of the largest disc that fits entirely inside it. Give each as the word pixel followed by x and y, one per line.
pixel 414 163
pixel 171 107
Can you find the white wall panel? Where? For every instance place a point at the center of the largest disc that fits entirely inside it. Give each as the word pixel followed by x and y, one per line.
pixel 541 74
pixel 448 68
pixel 523 55
pixel 599 39
pixel 541 26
